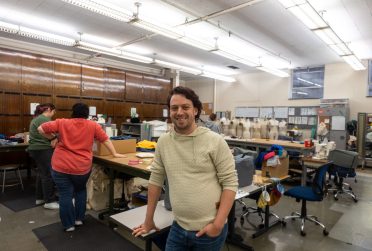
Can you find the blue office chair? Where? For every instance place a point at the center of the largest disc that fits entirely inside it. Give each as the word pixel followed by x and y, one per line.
pixel 315 192
pixel 343 166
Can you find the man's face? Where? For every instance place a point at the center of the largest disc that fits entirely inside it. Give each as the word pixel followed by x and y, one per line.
pixel 182 114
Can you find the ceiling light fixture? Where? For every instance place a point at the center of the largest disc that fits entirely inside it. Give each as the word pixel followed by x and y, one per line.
pixel 105 10
pixel 35 34
pixel 218 77
pixel 273 71
pixel 304 11
pixel 113 52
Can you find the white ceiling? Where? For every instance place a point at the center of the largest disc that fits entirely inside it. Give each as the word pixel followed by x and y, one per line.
pixel 266 24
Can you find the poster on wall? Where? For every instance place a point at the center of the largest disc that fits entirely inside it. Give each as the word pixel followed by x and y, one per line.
pixel 33 107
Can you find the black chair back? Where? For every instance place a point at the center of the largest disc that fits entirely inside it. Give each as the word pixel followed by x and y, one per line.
pixel 318 185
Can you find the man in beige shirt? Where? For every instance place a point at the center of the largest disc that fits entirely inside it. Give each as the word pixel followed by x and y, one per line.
pixel 201 174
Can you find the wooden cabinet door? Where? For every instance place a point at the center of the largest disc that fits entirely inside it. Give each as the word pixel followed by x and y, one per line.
pixel 92 81
pixel 165 88
pixel 10 70
pixel 11 103
pixel 98 103
pixel 133 90
pixel 67 78
pixel 13 125
pixel 37 74
pixel 28 99
pixel 115 84
pixel 150 89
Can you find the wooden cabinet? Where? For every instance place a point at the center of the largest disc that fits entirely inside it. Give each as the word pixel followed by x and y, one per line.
pixel 37 74
pixel 10 70
pixel 92 81
pixel 67 78
pixel 115 84
pixel 165 88
pixel 151 89
pixel 98 103
pixel 133 87
pixel 28 99
pixel 13 124
pixel 11 103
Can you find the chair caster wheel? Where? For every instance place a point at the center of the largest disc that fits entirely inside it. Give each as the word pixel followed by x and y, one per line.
pixel 355 200
pixel 303 233
pixel 284 223
pixel 325 232
pixel 244 208
pixel 241 220
pixel 336 198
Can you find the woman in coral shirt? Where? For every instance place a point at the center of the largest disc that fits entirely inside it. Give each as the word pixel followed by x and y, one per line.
pixel 72 161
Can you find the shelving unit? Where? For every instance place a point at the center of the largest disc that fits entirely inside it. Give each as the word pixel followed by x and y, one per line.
pixel 139 131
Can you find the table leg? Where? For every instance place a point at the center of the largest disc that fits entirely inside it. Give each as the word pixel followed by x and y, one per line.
pixel 232 237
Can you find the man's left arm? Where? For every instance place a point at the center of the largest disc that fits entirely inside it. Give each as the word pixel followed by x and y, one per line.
pixel 226 173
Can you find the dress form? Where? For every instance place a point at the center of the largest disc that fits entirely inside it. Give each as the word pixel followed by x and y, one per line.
pixel 264 128
pixel 274 130
pixel 247 129
pixel 282 128
pixel 257 129
pixel 240 128
pixel 232 127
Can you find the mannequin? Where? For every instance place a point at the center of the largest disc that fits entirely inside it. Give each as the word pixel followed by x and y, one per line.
pixel 256 128
pixel 247 129
pixel 240 128
pixel 232 127
pixel 264 128
pixel 274 129
pixel 224 126
pixel 283 128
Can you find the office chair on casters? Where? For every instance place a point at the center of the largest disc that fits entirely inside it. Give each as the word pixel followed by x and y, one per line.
pixel 315 192
pixel 344 165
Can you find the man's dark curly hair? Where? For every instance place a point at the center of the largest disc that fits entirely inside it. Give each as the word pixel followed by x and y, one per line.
pixel 190 95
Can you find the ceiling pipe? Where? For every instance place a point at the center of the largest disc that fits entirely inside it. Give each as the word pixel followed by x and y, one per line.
pixel 197 20
pixel 218 13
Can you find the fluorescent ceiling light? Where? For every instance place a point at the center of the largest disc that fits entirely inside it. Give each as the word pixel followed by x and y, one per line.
pixel 196 43
pixel 328 36
pixel 103 9
pixel 157 28
pixel 308 15
pixel 291 3
pixel 36 34
pixel 45 36
pixel 273 71
pixel 178 67
pixel 113 52
pixel 218 77
pixel 354 62
pixel 340 49
pixel 311 18
pixel 233 57
pixel 98 40
pixel 9 28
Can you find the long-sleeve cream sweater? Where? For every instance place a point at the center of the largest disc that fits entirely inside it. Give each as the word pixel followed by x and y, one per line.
pixel 199 167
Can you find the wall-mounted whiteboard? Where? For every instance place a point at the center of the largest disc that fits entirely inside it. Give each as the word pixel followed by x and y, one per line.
pixel 247 112
pixel 281 112
pixel 266 112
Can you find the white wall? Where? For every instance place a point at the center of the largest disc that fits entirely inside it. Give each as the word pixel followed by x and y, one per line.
pixel 263 89
pixel 204 88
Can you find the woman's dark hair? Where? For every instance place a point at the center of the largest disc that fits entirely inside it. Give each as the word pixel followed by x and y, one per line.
pixel 40 109
pixel 189 94
pixel 212 117
pixel 80 110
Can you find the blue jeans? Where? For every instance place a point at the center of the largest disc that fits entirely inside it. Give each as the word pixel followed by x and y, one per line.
pixel 180 239
pixel 71 186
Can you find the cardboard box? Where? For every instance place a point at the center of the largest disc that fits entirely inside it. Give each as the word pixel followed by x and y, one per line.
pixel 121 146
pixel 276 171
